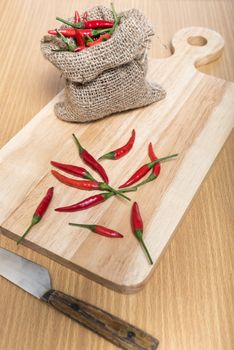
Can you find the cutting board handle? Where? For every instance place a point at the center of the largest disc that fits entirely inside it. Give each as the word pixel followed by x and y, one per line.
pixel 101 322
pixel 197 44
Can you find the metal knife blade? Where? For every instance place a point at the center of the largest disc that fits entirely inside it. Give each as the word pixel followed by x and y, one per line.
pixel 29 276
pixel 35 280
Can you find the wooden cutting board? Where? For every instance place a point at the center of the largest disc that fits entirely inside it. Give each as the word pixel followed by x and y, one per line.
pixel 194 120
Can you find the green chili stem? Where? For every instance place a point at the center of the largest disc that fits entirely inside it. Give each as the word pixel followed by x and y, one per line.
pixel 74 25
pixel 152 177
pixel 114 12
pixel 91 227
pixel 118 193
pixel 128 189
pixel 25 233
pixel 151 164
pixel 104 186
pixel 81 149
pixel 89 177
pixel 109 155
pixel 116 20
pixel 97 32
pixel 89 38
pixel 146 250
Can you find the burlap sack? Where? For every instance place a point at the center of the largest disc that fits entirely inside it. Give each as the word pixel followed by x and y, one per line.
pixel 109 77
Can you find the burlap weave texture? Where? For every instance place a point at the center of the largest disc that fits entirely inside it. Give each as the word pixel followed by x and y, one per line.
pixel 109 77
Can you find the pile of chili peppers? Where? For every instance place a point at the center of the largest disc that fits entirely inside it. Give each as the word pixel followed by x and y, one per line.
pixel 83 33
pixel 89 183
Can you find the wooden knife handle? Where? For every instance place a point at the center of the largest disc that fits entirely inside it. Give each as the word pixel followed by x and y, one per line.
pixel 101 322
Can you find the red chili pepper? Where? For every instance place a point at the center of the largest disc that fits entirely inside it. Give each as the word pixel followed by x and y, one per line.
pixel 87 185
pixel 101 230
pixel 120 152
pixel 102 38
pixel 77 17
pixel 144 170
pixel 80 184
pixel 71 32
pixel 39 212
pixel 85 15
pixel 79 39
pixel 137 225
pixel 68 32
pixel 93 24
pixel 73 170
pixel 91 161
pixel 156 168
pixel 87 202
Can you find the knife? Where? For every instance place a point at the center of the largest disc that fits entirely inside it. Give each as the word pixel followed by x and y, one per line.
pixel 35 279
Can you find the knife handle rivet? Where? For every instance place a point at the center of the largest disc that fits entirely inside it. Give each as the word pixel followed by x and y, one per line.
pixel 75 307
pixel 131 334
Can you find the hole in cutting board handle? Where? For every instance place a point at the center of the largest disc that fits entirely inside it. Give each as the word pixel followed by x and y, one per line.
pixel 197 40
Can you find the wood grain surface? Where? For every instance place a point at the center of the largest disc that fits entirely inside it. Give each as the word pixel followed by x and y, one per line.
pixel 194 120
pixel 188 303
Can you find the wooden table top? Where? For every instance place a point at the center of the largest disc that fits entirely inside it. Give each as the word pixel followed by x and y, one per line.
pixel 189 301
